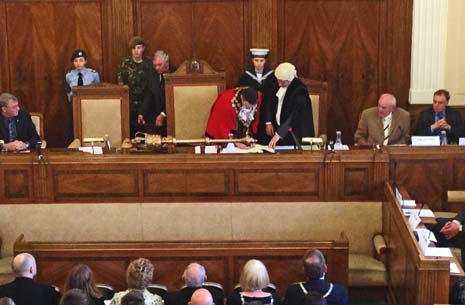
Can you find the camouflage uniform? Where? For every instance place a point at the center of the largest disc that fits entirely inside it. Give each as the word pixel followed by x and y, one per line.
pixel 135 76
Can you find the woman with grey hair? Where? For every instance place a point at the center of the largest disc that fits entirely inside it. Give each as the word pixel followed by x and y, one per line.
pixel 6 301
pixel 254 279
pixel 138 277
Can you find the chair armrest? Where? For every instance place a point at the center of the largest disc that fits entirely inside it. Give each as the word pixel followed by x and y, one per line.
pixel 44 144
pixel 75 144
pixel 126 143
pixel 380 247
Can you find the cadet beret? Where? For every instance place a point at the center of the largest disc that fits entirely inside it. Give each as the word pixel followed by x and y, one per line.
pixel 78 53
pixel 135 41
pixel 285 71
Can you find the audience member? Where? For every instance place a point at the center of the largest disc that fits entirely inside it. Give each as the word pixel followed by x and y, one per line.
pixel 314 298
pixel 133 297
pixel 139 276
pixel 315 269
pixel 383 125
pixel 81 277
pixel 457 292
pixel 240 120
pixel 79 76
pixel 153 110
pixel 74 297
pixel 291 109
pixel 254 278
pixel 6 301
pixel 133 72
pixel 194 277
pixel 23 290
pixel 261 78
pixel 449 233
pixel 201 297
pixel 16 127
pixel 441 117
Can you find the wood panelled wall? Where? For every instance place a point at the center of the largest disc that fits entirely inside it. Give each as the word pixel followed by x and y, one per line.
pixel 361 47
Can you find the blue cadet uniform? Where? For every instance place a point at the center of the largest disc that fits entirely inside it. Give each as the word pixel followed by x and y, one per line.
pixel 89 76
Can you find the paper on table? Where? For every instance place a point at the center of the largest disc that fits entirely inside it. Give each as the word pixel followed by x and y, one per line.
pixel 425 232
pixel 423 213
pixel 96 150
pixel 454 268
pixel 442 252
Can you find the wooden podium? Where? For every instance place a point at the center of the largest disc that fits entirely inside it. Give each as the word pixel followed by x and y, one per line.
pixel 99 110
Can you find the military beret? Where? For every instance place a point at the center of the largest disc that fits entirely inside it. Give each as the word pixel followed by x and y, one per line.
pixel 135 41
pixel 78 53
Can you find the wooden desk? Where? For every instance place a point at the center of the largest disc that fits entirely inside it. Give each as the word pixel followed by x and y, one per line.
pixel 70 176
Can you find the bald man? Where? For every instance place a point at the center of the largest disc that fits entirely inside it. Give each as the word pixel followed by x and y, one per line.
pixel 290 109
pixel 23 290
pixel 194 277
pixel 201 297
pixel 383 125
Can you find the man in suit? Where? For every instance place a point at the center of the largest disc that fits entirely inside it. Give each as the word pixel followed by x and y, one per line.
pixel 441 117
pixel 315 269
pixel 290 110
pixel 449 232
pixel 383 125
pixel 153 108
pixel 194 277
pixel 16 127
pixel 23 290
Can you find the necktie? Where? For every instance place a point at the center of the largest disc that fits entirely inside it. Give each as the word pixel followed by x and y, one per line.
pixel 12 129
pixel 386 131
pixel 80 81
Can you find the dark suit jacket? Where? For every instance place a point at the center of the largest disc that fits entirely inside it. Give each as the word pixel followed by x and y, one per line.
pixel 296 112
pixel 153 102
pixel 25 129
pixel 295 295
pixel 453 118
pixel 23 291
pixel 183 296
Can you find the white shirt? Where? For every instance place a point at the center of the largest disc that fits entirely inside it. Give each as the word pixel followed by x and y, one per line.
pixel 280 94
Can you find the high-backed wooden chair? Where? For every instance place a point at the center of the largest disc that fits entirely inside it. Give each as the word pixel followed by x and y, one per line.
pixel 99 110
pixel 38 120
pixel 318 92
pixel 190 93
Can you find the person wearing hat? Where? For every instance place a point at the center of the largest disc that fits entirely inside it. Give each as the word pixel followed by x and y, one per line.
pixel 290 110
pixel 79 76
pixel 261 78
pixel 133 72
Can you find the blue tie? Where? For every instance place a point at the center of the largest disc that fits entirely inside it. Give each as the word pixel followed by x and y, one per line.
pixel 12 129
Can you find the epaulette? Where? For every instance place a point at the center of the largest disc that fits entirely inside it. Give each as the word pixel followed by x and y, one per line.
pixel 93 71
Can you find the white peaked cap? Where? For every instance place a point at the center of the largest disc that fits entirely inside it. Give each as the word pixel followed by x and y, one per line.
pixel 285 71
pixel 259 52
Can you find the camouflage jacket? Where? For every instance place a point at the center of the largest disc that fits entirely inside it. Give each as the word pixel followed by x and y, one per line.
pixel 135 76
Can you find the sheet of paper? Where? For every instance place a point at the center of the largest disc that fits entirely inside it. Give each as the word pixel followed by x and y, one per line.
pixel 454 268
pixel 96 150
pixel 414 220
pixel 409 203
pixel 461 141
pixel 441 252
pixel 427 233
pixel 423 212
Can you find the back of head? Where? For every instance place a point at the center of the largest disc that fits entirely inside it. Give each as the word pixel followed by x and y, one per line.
pixel 314 264
pixel 81 277
pixel 254 276
pixel 194 275
pixel 133 297
pixel 139 273
pixel 314 298
pixel 201 297
pixel 74 297
pixel 457 292
pixel 24 265
pixel 6 301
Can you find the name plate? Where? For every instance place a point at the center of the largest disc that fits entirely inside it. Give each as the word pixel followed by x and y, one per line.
pixel 461 141
pixel 425 141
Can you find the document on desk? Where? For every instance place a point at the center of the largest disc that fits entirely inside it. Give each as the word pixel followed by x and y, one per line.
pixel 454 268
pixel 96 150
pixel 427 233
pixel 421 212
pixel 441 252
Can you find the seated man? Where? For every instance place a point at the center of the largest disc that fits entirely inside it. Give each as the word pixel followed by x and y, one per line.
pixel 383 125
pixel 74 297
pixel 315 269
pixel 441 117
pixel 23 290
pixel 290 110
pixel 201 297
pixel 16 127
pixel 194 277
pixel 234 111
pixel 449 232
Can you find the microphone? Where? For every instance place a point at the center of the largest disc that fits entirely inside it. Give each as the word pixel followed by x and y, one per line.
pixel 419 212
pixel 294 138
pixel 39 150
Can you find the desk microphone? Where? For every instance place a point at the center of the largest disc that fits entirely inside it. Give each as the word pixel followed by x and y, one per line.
pixel 294 138
pixel 39 150
pixel 419 212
